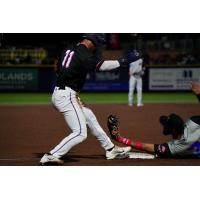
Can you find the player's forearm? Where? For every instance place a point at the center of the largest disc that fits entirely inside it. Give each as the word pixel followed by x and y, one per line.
pixel 143 146
pixel 109 65
pixel 137 145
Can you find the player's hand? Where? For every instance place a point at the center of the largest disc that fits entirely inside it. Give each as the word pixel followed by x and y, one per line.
pixel 123 62
pixel 113 126
pixel 195 88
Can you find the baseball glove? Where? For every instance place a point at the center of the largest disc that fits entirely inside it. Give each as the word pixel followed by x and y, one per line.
pixel 113 126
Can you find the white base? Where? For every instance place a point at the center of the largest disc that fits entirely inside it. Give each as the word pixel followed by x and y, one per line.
pixel 140 155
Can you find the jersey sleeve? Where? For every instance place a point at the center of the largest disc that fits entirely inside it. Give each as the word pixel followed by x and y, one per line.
pixel 162 150
pixel 93 63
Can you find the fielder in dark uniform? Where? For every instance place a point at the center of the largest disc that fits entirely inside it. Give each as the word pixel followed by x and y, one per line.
pixel 185 137
pixel 73 66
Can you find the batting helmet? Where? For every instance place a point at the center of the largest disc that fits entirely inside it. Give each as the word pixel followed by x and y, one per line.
pixel 172 124
pixel 98 39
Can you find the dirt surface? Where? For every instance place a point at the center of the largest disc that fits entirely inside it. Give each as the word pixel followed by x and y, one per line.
pixel 26 132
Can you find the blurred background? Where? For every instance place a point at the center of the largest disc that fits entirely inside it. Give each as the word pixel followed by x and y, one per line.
pixel 172 61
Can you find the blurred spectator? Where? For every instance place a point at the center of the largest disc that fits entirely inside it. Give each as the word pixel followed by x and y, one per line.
pixel 15 55
pixel 161 49
pixel 187 58
pixel 113 41
pixel 165 43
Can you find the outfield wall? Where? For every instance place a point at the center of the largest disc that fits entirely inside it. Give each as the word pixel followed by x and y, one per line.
pixel 27 78
pixel 172 78
pixel 34 78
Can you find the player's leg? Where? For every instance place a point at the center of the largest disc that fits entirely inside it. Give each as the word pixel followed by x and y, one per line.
pixel 66 102
pixel 131 90
pixel 139 92
pixel 75 119
pixel 112 151
pixel 96 129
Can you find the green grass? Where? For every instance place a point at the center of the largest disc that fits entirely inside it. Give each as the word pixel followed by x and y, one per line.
pixel 147 98
pixel 45 98
pixel 25 98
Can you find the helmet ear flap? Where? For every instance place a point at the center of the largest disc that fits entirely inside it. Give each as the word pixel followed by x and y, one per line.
pixel 167 130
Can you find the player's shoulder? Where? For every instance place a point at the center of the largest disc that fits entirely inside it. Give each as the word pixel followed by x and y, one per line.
pixel 136 63
pixel 138 60
pixel 81 47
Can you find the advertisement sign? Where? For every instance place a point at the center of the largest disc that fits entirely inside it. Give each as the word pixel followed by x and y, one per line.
pixel 172 78
pixel 18 79
pixel 116 80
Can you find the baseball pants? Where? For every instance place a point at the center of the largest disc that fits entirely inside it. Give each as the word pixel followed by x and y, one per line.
pixel 77 117
pixel 135 82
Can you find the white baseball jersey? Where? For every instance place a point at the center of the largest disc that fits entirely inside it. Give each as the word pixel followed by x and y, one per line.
pixel 136 67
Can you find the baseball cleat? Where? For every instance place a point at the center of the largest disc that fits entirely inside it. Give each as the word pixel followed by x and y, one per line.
pixel 118 153
pixel 140 105
pixel 48 158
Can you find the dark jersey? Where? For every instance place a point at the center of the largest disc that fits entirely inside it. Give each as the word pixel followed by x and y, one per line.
pixel 74 65
pixel 162 150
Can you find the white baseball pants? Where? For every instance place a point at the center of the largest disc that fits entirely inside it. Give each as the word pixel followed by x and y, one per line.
pixel 135 82
pixel 76 116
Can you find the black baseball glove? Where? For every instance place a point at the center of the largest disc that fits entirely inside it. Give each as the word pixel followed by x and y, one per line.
pixel 113 126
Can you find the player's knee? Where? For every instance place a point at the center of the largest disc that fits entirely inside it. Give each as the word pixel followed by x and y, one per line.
pixel 80 129
pixel 81 133
pixel 83 138
pixel 84 134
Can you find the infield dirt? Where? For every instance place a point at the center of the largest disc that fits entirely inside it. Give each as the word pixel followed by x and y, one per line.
pixel 26 132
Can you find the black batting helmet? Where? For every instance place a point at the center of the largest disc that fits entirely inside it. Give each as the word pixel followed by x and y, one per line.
pixel 172 124
pixel 98 39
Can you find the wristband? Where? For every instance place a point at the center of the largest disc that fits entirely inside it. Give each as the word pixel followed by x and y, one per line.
pixel 124 140
pixel 138 145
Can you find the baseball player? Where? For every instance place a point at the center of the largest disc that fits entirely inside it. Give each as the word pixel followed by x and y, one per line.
pixel 185 137
pixel 74 64
pixel 136 71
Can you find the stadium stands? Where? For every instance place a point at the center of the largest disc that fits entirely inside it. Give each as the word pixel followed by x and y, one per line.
pixel 158 49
